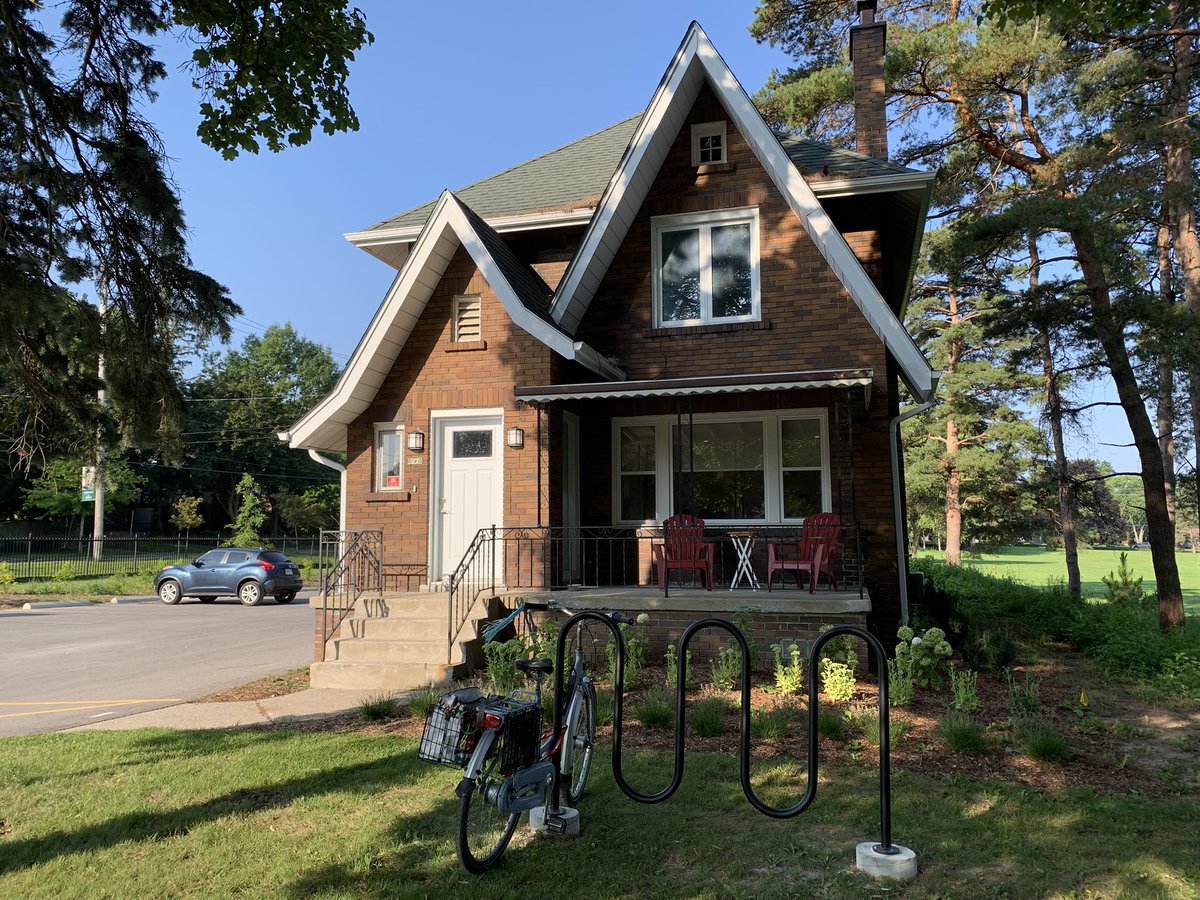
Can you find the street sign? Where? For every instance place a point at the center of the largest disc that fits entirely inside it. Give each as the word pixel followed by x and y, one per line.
pixel 87 495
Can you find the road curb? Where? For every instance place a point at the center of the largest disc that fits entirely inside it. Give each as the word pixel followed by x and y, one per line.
pixel 133 600
pixel 57 604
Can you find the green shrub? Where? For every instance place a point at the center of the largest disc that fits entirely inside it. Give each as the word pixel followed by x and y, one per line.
pixel 926 654
pixel 991 648
pixel 379 707
pixel 789 676
pixel 965 687
pixel 897 728
pixel 671 661
pixel 769 724
pixel 1180 677
pixel 500 663
pixel 1024 699
pixel 605 708
pixel 707 716
pixel 7 578
pixel 543 640
pixel 657 710
pixel 831 724
pixel 636 642
pixel 727 668
pixel 1040 741
pixel 841 649
pixel 65 572
pixel 962 733
pixel 837 680
pixel 422 702
pixel 900 681
pixel 1125 590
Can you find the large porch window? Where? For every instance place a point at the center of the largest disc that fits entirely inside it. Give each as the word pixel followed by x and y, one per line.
pixel 768 467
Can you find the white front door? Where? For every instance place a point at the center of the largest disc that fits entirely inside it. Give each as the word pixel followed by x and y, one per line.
pixel 470 454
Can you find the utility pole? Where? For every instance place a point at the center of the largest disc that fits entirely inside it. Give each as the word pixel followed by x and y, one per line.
pixel 101 398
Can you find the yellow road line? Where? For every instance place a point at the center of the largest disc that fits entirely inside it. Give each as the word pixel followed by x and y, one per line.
pixel 68 702
pixel 93 704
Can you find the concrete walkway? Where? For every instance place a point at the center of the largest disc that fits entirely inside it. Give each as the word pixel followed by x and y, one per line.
pixel 310 704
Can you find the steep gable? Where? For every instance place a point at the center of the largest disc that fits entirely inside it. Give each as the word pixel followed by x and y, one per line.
pixel 695 64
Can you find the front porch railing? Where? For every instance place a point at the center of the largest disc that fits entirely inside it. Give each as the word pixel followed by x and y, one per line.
pixel 558 558
pixel 351 564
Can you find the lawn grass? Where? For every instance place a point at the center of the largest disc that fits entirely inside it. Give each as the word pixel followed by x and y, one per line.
pixel 1039 566
pixel 289 814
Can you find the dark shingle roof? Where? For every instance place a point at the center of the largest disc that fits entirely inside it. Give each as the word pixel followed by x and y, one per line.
pixel 575 176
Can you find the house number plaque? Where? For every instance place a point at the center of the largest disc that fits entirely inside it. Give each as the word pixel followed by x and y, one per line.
pixel 416 460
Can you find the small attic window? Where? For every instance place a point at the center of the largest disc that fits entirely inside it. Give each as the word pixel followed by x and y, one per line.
pixel 708 144
pixel 467 319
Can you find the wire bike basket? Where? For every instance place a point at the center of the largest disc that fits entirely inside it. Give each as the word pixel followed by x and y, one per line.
pixel 883 859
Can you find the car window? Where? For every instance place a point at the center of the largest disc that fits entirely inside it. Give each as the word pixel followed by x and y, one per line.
pixel 236 557
pixel 211 558
pixel 273 556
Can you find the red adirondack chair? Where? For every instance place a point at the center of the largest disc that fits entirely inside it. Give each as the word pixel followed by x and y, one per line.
pixel 812 555
pixel 684 547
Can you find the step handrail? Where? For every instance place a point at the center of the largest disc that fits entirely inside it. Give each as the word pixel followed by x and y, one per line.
pixel 358 569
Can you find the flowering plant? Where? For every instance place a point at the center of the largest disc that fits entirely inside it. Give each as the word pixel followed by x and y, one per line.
pixel 925 653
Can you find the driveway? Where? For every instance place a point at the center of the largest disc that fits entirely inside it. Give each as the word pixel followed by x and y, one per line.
pixel 69 666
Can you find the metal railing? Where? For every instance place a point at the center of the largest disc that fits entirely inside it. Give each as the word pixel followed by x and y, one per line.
pixel 561 558
pixel 351 564
pixel 62 558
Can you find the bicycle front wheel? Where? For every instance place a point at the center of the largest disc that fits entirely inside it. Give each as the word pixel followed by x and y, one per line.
pixel 483 830
pixel 581 739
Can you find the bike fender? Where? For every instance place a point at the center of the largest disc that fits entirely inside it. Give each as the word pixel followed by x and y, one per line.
pixel 486 739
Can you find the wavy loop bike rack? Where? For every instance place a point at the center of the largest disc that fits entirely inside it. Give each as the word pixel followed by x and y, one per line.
pixel 883 859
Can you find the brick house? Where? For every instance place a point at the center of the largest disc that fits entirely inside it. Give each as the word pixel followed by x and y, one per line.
pixel 684 311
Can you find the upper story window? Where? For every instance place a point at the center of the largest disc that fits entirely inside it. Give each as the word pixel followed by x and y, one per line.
pixel 706 267
pixel 389 457
pixel 708 144
pixel 468 320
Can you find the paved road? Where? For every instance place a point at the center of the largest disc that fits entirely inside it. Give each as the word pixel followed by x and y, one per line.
pixel 74 665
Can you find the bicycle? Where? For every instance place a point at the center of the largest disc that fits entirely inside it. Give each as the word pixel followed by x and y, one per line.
pixel 513 767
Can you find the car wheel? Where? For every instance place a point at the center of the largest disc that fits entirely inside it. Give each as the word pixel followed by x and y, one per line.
pixel 169 592
pixel 250 593
pixel 208 599
pixel 285 597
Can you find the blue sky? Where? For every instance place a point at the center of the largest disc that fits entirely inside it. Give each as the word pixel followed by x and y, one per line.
pixel 449 93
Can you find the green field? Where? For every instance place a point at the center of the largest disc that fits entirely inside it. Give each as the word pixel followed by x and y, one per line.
pixel 1039 566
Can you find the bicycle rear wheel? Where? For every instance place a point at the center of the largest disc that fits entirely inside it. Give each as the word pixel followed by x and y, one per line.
pixel 581 739
pixel 483 830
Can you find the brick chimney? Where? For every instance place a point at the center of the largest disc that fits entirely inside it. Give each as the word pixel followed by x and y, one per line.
pixel 866 56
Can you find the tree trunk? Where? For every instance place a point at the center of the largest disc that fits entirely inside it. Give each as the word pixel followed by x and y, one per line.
pixel 1180 187
pixel 1066 495
pixel 953 498
pixel 1164 409
pixel 1111 336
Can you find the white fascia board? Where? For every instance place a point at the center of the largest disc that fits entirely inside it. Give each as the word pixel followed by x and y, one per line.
pixel 561 308
pixel 874 184
pixel 522 317
pixel 340 405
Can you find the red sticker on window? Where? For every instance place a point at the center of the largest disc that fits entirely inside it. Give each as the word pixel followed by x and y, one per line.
pixel 393 481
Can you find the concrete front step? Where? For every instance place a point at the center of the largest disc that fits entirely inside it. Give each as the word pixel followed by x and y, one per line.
pixel 420 605
pixel 399 628
pixel 378 676
pixel 390 651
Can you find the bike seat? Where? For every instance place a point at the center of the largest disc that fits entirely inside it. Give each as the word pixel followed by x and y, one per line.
pixel 535 666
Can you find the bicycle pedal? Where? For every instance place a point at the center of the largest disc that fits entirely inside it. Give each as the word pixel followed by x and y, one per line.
pixel 556 824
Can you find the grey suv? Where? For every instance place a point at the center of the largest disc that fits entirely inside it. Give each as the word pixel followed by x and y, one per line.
pixel 248 574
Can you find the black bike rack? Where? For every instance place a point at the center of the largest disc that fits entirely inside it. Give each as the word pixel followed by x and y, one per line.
pixel 884 846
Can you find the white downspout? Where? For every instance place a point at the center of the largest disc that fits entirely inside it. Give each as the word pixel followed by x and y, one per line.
pixel 333 464
pixel 901 550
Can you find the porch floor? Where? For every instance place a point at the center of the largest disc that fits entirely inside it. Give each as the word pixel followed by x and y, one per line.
pixel 693 599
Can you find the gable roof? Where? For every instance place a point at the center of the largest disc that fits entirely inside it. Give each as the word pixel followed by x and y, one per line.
pixel 695 64
pixel 520 289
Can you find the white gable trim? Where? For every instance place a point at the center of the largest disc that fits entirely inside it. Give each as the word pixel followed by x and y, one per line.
pixel 324 426
pixel 696 62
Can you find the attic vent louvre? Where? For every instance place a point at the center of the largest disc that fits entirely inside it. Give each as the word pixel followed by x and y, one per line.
pixel 467 319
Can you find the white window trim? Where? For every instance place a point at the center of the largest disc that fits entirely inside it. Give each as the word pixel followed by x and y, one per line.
pixel 377 455
pixel 474 298
pixel 772 462
pixel 709 129
pixel 704 222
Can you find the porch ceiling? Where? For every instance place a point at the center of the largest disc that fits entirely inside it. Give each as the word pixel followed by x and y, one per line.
pixel 709 384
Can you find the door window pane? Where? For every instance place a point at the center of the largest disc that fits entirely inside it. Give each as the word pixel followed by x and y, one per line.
pixel 732 291
pixel 472 444
pixel 719 470
pixel 389 459
pixel 680 275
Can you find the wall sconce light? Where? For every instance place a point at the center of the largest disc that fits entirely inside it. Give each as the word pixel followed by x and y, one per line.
pixel 416 441
pixel 516 438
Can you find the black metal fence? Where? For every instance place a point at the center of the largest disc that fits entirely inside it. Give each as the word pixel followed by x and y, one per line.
pixel 62 558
